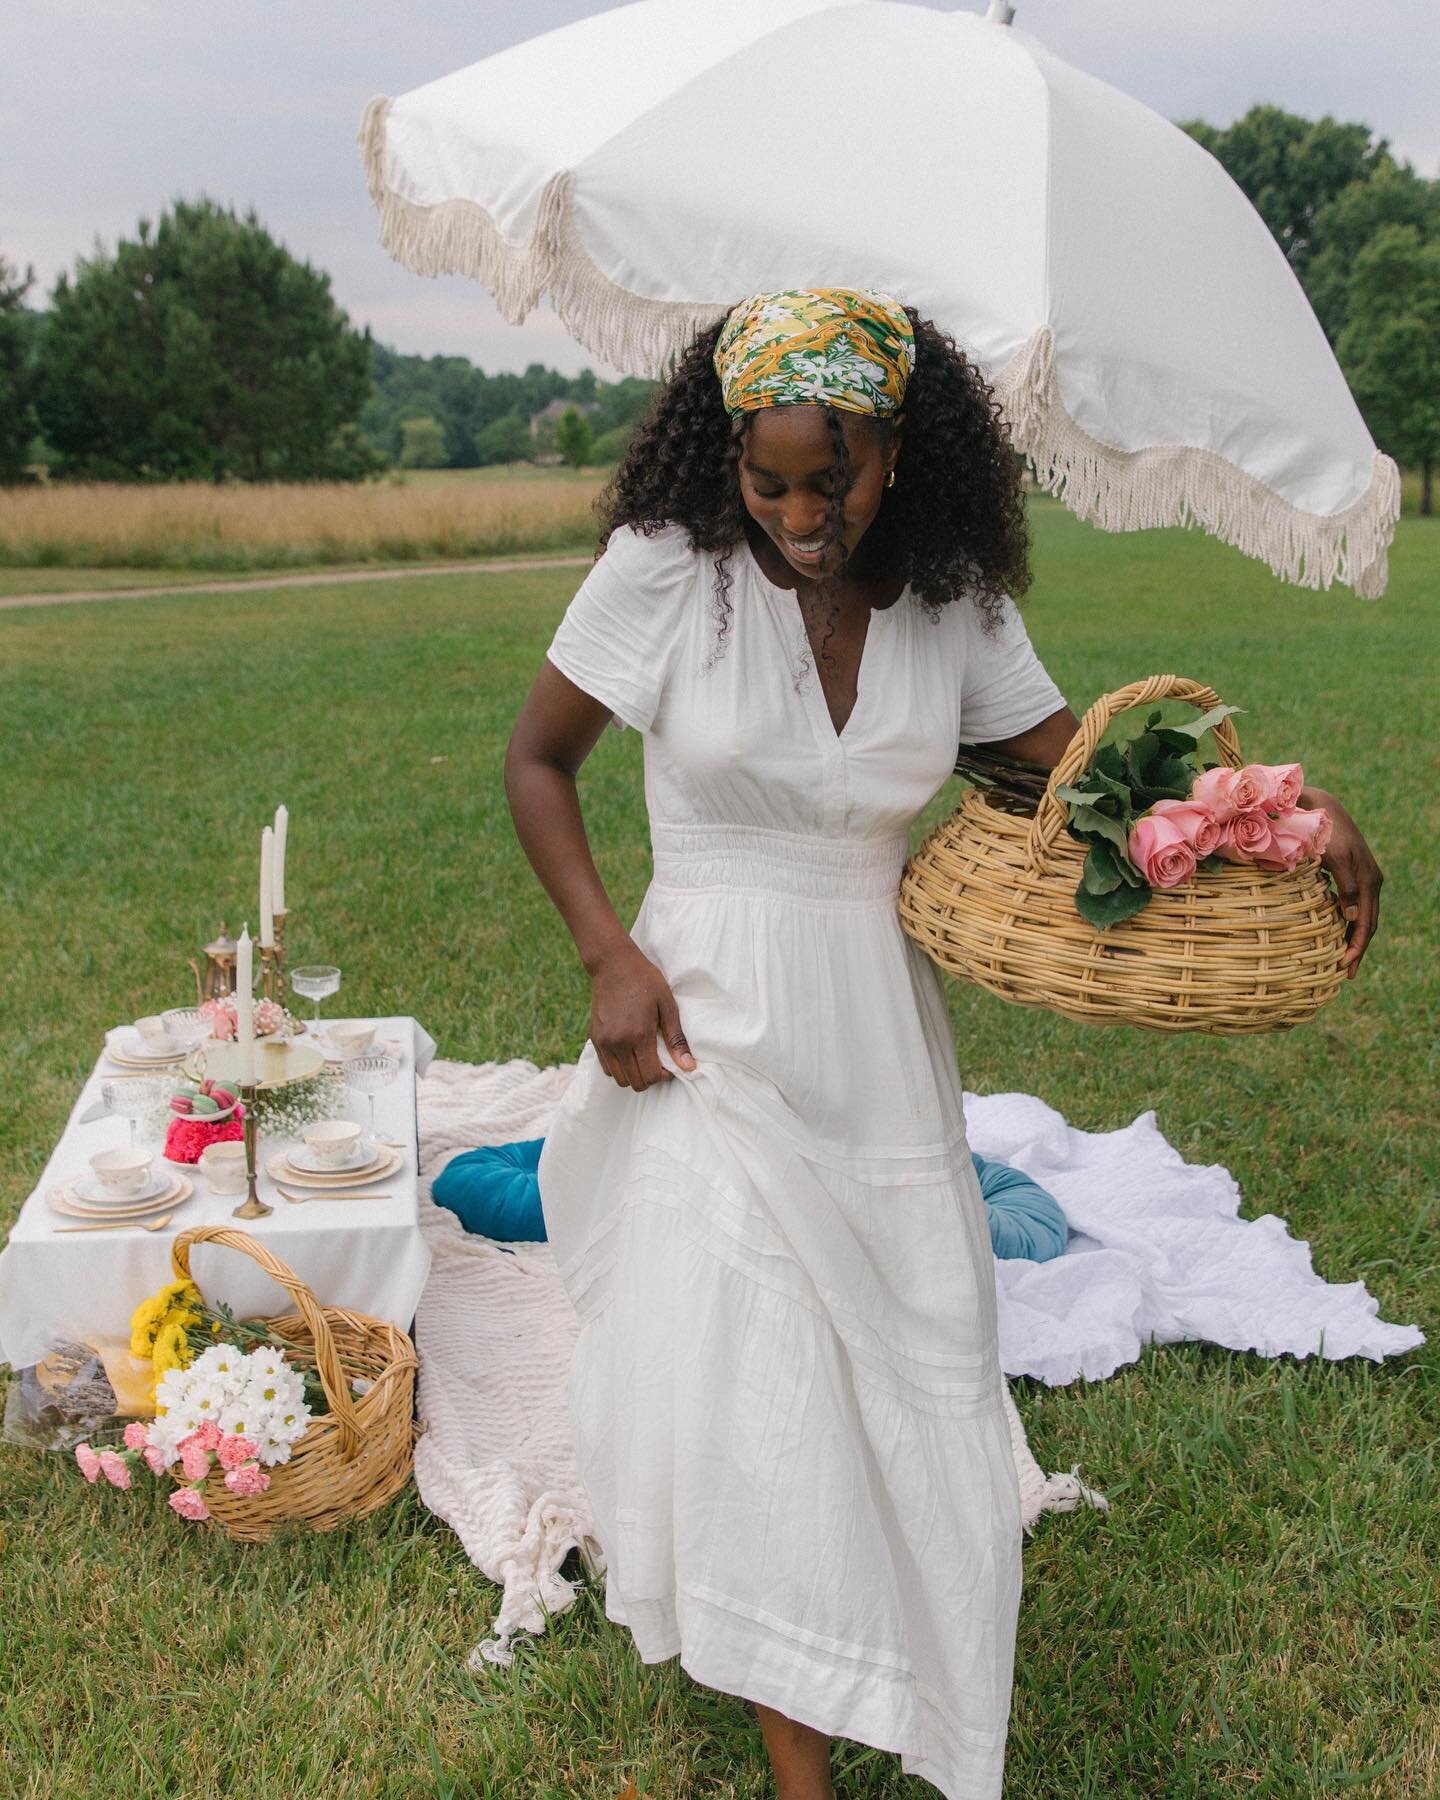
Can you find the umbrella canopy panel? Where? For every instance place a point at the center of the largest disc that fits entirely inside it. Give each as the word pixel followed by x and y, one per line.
pixel 1155 356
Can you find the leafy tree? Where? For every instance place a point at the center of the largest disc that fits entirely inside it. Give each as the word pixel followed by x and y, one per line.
pixel 1291 168
pixel 505 440
pixel 202 350
pixel 422 443
pixel 1394 195
pixel 17 418
pixel 1390 350
pixel 574 439
pixel 611 445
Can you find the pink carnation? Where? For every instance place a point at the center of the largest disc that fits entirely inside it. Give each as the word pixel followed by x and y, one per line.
pixel 1246 837
pixel 189 1502
pixel 154 1459
pixel 89 1463
pixel 186 1138
pixel 207 1436
pixel 136 1437
pixel 1295 837
pixel 250 1478
pixel 1159 851
pixel 114 1468
pixel 194 1460
pixel 1195 822
pixel 236 1450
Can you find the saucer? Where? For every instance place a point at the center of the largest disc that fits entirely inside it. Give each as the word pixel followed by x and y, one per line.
pixel 63 1200
pixel 89 1190
pixel 133 1048
pixel 304 1159
pixel 280 1168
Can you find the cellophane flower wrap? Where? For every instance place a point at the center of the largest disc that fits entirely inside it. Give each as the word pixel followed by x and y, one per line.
pixel 1151 814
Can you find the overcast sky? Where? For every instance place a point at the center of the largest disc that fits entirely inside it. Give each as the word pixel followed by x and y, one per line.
pixel 111 108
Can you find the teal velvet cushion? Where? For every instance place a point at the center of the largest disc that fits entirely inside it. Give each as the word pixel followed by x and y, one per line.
pixel 493 1191
pixel 1024 1219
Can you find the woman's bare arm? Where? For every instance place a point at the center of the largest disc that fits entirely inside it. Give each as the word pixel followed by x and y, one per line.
pixel 558 726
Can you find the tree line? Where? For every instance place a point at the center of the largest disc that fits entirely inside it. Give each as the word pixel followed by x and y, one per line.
pixel 203 350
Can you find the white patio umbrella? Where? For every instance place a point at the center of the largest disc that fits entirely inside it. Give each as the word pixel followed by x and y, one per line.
pixel 1156 358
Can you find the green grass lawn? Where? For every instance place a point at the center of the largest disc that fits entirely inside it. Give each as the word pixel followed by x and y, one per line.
pixel 1256 1616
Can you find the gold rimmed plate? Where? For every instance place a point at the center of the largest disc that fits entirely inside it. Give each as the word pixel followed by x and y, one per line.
pixel 388 1161
pixel 63 1200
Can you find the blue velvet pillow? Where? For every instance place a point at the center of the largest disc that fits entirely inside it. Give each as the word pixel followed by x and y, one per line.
pixel 493 1191
pixel 1024 1219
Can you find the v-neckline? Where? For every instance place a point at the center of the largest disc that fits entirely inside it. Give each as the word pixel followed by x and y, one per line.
pixel 815 692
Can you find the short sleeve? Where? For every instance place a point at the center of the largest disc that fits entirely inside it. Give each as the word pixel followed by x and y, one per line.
pixel 1004 687
pixel 618 637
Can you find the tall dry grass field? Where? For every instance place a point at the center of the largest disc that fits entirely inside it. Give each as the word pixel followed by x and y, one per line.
pixel 194 525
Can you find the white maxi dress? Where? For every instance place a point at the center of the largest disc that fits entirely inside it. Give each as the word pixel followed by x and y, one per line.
pixel 786 1390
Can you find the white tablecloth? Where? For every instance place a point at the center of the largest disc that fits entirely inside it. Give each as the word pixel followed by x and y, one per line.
pixel 364 1254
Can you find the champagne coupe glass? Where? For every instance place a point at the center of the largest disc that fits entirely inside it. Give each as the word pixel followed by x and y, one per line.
pixel 316 981
pixel 188 1025
pixel 368 1074
pixel 133 1097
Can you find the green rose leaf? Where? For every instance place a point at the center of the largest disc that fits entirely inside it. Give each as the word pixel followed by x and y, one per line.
pixel 1102 872
pixel 1087 824
pixel 1208 721
pixel 1103 910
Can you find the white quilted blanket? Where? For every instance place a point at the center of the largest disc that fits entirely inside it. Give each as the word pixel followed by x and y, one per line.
pixel 1157 1251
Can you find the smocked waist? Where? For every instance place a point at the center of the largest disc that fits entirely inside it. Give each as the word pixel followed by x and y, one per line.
pixel 738 857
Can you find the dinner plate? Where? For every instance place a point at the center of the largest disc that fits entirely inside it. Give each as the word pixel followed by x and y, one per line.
pixel 304 1159
pixel 62 1200
pixel 281 1168
pixel 145 1062
pixel 131 1046
pixel 89 1190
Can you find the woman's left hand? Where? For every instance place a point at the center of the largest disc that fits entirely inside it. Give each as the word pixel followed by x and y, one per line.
pixel 1356 875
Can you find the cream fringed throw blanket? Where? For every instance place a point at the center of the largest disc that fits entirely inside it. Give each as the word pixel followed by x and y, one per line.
pixel 1157 1251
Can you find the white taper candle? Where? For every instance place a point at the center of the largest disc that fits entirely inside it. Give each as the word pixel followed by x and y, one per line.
pixel 282 831
pixel 245 1005
pixel 267 888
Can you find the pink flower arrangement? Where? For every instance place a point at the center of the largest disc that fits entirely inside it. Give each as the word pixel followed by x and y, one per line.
pixel 268 1016
pixel 186 1138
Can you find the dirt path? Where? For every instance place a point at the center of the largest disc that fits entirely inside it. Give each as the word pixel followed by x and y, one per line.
pixel 320 578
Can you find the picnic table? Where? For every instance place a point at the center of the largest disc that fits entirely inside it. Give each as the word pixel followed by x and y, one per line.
pixel 367 1255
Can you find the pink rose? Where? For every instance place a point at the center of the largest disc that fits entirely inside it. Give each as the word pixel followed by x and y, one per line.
pixel 1229 791
pixel 236 1450
pixel 250 1478
pixel 194 1459
pixel 155 1459
pixel 89 1463
pixel 136 1436
pixel 1246 837
pixel 114 1468
pixel 1286 781
pixel 1159 851
pixel 1295 837
pixel 1195 822
pixel 189 1502
pixel 222 1024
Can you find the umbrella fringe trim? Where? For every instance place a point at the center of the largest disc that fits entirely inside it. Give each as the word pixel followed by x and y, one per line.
pixel 1178 484
pixel 1116 489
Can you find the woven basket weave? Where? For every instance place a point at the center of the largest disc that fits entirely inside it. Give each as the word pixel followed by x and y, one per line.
pixel 990 897
pixel 352 1459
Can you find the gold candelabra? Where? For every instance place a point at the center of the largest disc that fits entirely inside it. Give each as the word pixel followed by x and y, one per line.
pixel 272 963
pixel 253 1207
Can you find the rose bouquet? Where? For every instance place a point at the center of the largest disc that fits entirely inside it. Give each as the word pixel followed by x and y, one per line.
pixel 268 1015
pixel 1151 815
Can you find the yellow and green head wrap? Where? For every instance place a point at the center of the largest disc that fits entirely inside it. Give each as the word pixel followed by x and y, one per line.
pixel 852 348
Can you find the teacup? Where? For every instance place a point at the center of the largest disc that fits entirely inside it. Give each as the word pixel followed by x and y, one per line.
pixel 155 1034
pixel 332 1141
pixel 351 1036
pixel 223 1166
pixel 122 1173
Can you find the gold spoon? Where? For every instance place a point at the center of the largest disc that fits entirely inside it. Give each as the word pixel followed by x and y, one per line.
pixel 121 1225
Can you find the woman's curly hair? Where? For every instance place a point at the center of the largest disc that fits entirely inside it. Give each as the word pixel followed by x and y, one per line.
pixel 953 525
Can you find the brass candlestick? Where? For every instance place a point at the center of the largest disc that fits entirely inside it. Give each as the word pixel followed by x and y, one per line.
pixel 272 959
pixel 254 1207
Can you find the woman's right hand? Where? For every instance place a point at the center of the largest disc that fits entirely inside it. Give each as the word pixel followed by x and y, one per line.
pixel 630 1001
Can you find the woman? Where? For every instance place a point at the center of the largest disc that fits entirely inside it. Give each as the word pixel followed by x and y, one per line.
pixel 786 1390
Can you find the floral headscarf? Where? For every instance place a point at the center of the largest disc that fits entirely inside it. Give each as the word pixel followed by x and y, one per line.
pixel 853 348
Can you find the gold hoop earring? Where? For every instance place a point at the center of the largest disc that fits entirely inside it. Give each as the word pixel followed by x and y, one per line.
pixel 890 479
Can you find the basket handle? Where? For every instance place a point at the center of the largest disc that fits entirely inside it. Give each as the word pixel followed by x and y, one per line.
pixel 1049 820
pixel 327 1357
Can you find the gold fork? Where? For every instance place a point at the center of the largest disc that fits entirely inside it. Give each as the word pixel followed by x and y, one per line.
pixel 121 1225
pixel 329 1194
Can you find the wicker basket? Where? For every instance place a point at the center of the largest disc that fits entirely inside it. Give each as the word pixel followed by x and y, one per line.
pixel 990 897
pixel 352 1459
